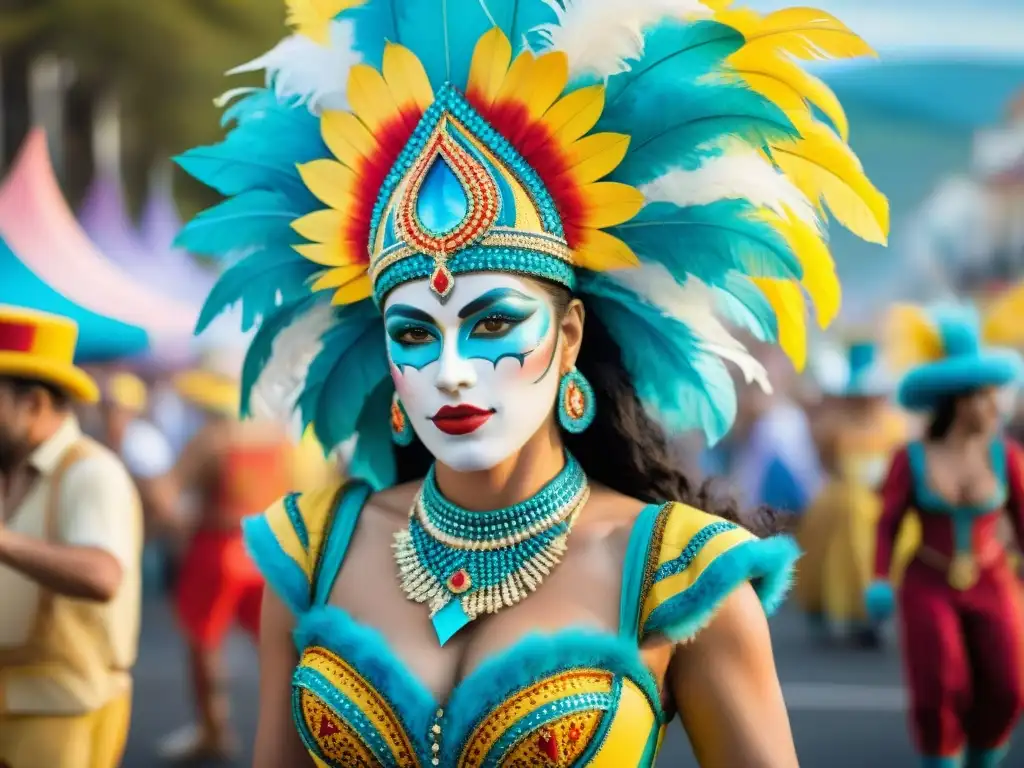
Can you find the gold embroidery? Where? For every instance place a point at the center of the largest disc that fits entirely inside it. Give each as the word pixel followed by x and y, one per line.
pixel 336 739
pixel 558 744
pixel 529 700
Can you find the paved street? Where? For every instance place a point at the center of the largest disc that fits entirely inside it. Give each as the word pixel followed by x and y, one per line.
pixel 846 706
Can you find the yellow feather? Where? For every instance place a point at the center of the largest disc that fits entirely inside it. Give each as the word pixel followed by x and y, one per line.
pixel 547 81
pixel 406 78
pixel 910 338
pixel 338 277
pixel 1003 322
pixel 518 78
pixel 348 139
pixel 312 18
pixel 825 169
pixel 820 280
pixel 789 87
pixel 595 156
pixel 320 226
pixel 600 251
pixel 790 307
pixel 805 33
pixel 609 203
pixel 334 253
pixel 356 290
pixel 574 114
pixel 370 98
pixel 330 181
pixel 487 70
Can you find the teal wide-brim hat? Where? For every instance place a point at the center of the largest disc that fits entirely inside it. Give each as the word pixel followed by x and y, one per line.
pixel 959 362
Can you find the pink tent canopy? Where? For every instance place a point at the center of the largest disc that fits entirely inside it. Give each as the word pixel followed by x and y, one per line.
pixel 41 230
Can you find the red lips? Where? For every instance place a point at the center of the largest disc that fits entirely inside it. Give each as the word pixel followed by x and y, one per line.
pixel 460 419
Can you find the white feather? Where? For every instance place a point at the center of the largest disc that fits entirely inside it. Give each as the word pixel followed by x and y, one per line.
pixel 600 37
pixel 276 392
pixel 316 75
pixel 693 304
pixel 742 176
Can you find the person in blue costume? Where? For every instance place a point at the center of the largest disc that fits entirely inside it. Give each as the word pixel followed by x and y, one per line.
pixel 490 244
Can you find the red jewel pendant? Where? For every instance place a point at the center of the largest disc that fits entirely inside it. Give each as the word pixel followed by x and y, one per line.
pixel 459 582
pixel 441 281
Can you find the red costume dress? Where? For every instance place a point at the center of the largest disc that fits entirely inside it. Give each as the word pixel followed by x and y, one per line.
pixel 959 610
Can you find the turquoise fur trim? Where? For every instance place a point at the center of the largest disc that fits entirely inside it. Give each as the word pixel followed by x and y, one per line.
pixel 291 506
pixel 939 761
pixel 693 548
pixel 283 574
pixel 766 563
pixel 519 261
pixel 344 708
pixel 368 652
pixel 923 387
pixel 987 758
pixel 530 660
pixel 570 423
pixel 879 600
pixel 540 717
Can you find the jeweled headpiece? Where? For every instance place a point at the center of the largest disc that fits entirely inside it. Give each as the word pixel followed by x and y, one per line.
pixel 662 159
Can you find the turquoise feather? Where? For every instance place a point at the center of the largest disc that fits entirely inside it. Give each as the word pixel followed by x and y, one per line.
pixel 257 281
pixel 351 364
pixel 675 53
pixel 683 386
pixel 709 241
pixel 262 345
pixel 249 220
pixel 742 304
pixel 374 458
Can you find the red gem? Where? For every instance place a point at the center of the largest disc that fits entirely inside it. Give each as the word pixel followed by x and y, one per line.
pixel 574 733
pixel 548 744
pixel 327 727
pixel 440 282
pixel 458 579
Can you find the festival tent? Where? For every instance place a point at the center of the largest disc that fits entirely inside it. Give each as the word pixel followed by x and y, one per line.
pixel 40 230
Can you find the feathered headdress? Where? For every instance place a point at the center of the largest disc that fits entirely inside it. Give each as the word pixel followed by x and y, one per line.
pixel 948 349
pixel 663 159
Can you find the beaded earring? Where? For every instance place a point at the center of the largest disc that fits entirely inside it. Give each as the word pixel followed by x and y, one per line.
pixel 576 403
pixel 401 430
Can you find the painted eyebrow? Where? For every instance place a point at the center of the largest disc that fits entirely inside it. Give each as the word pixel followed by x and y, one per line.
pixel 409 313
pixel 491 298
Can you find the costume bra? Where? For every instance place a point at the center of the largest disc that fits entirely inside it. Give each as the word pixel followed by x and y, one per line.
pixel 576 697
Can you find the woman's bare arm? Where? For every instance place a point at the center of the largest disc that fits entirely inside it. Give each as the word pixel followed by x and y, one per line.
pixel 727 690
pixel 277 741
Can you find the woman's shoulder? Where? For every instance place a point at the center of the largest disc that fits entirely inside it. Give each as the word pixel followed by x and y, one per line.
pixel 695 560
pixel 287 540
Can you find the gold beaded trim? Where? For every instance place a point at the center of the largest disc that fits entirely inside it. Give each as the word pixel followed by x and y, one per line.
pixel 498 237
pixel 491 544
pixel 420 585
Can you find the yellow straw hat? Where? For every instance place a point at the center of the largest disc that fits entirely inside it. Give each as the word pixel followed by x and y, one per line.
pixel 38 345
pixel 126 390
pixel 210 386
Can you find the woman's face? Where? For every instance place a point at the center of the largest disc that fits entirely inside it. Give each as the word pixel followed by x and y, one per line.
pixel 981 411
pixel 478 372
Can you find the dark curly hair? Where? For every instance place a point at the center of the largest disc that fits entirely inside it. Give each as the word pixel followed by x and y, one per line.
pixel 624 449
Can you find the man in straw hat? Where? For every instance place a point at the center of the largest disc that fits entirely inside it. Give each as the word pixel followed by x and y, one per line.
pixel 232 469
pixel 70 543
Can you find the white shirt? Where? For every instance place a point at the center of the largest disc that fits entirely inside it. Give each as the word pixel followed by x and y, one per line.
pixel 145 451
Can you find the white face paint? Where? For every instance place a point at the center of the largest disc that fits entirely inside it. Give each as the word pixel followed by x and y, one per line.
pixel 478 373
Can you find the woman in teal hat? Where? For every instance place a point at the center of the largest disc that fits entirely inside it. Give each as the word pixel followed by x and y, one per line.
pixel 959 608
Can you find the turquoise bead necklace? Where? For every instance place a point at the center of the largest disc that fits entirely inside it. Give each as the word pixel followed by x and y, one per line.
pixel 463 564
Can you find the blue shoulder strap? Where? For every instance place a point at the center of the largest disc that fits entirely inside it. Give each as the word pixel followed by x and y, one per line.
pixel 918 468
pixel 344 518
pixel 637 554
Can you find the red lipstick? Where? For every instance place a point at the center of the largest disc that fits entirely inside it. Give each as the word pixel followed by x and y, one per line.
pixel 460 419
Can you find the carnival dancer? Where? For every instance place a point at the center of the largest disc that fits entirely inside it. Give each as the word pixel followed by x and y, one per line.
pixel 70 550
pixel 521 217
pixel 958 602
pixel 228 470
pixel 857 431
